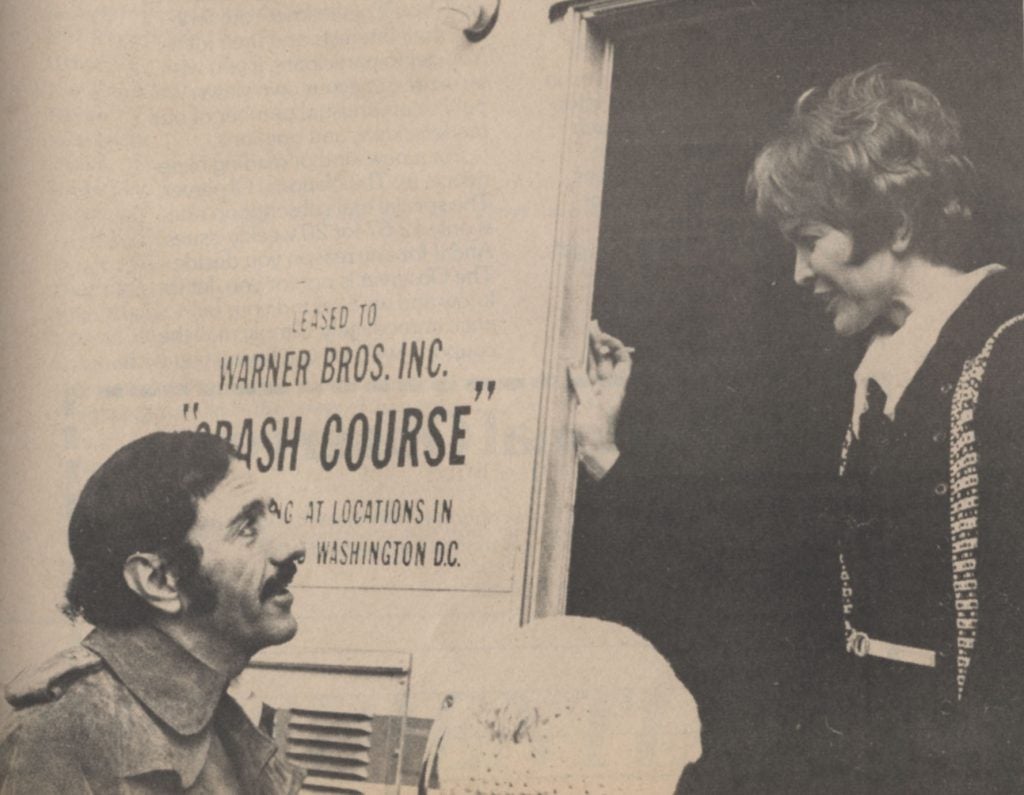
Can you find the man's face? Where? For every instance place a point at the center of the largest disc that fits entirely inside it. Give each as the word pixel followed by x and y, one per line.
pixel 248 559
pixel 854 295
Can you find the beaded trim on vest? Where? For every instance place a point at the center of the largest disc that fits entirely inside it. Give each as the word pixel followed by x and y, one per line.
pixel 844 573
pixel 963 509
pixel 963 502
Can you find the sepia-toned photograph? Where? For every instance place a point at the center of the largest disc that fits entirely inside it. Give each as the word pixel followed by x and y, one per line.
pixel 493 397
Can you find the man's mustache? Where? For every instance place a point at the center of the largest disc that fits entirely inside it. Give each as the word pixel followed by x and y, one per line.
pixel 279 581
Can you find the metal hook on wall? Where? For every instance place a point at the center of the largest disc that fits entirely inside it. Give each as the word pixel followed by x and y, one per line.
pixel 475 18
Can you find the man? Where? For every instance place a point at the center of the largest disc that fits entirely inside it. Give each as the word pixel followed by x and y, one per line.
pixel 183 568
pixel 920 687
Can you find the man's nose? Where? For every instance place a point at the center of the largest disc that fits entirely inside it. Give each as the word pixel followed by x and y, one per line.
pixel 288 546
pixel 802 273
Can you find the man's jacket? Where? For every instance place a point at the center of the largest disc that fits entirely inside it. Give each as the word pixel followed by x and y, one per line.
pixel 130 711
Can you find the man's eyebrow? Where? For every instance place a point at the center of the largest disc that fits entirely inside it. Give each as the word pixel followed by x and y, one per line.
pixel 250 513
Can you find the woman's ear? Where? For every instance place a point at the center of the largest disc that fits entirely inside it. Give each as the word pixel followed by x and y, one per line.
pixel 148 575
pixel 902 236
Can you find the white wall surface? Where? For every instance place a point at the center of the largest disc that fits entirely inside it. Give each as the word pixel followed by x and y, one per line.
pixel 180 179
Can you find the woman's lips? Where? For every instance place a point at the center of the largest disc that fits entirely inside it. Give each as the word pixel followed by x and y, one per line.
pixel 827 300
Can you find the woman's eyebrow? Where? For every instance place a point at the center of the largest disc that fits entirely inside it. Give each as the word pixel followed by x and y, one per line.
pixel 791 228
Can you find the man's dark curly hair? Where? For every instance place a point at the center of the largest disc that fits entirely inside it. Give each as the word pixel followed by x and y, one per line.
pixel 142 499
pixel 872 151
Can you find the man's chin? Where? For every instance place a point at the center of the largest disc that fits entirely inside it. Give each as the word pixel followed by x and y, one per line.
pixel 285 633
pixel 274 632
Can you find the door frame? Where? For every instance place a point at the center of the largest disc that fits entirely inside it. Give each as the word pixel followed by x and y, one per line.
pixel 594 27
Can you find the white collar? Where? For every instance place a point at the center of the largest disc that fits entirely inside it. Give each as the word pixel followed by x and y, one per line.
pixel 893 359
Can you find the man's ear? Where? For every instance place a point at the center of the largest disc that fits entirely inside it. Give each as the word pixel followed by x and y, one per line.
pixel 148 575
pixel 902 236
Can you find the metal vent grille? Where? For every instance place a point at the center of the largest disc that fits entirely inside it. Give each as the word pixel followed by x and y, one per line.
pixel 333 747
pixel 337 714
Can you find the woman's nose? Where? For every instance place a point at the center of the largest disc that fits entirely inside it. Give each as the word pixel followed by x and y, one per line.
pixel 802 273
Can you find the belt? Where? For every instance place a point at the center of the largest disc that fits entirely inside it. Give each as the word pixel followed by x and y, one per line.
pixel 861 644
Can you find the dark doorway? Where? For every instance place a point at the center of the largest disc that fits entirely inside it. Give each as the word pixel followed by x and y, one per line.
pixel 740 391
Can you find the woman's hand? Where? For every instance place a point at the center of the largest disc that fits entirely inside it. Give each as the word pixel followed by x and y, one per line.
pixel 599 393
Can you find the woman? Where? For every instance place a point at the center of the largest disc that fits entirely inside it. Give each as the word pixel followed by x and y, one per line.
pixel 870 183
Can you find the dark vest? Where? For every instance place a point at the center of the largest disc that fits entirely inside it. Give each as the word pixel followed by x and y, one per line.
pixel 906 722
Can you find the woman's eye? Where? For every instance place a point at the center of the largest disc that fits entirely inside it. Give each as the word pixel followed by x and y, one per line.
pixel 806 241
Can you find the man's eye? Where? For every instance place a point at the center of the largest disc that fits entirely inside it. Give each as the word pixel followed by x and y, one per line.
pixel 806 242
pixel 248 530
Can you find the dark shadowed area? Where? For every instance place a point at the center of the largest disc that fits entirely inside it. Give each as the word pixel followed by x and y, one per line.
pixel 740 391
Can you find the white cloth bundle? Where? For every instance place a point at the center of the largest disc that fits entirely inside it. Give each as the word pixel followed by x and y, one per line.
pixel 569 701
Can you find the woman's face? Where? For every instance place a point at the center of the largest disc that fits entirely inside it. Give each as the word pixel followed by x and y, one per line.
pixel 854 295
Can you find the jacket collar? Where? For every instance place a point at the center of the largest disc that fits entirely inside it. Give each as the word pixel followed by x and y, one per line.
pixel 997 297
pixel 179 689
pixel 188 698
pixel 892 359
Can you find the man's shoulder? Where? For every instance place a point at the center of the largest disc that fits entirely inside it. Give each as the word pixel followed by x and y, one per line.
pixel 52 735
pixel 65 699
pixel 47 682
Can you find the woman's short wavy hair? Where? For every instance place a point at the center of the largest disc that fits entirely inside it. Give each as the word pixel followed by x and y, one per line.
pixel 869 154
pixel 142 499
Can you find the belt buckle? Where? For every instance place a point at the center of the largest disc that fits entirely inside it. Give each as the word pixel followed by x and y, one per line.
pixel 859 643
